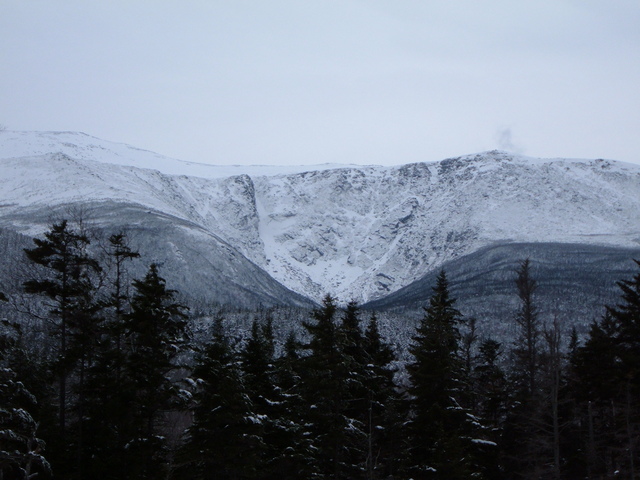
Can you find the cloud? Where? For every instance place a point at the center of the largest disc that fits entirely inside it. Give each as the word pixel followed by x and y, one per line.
pixel 504 138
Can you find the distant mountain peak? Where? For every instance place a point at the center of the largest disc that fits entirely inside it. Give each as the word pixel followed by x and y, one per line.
pixel 353 231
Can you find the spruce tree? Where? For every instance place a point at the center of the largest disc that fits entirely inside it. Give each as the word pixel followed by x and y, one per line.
pixel 444 438
pixel 325 371
pixel 357 401
pixel 108 391
pixel 21 451
pixel 384 409
pixel 608 372
pixel 156 334
pixel 490 387
pixel 522 438
pixel 294 454
pixel 225 440
pixel 67 276
pixel 599 375
pixel 527 345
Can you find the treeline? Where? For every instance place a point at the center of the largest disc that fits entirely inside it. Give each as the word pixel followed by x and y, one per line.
pixel 117 387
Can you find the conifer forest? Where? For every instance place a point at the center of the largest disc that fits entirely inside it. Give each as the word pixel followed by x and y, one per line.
pixel 104 376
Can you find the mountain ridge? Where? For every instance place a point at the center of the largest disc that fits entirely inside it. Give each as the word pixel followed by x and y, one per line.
pixel 356 232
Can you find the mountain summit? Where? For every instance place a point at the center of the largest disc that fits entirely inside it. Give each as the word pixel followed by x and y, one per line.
pixel 358 233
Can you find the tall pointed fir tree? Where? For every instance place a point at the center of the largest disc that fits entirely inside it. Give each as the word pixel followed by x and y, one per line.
pixel 445 441
pixel 21 451
pixel 67 274
pixel 108 391
pixel 225 440
pixel 294 443
pixel 257 359
pixel 156 334
pixel 325 372
pixel 274 405
pixel 523 443
pixel 357 402
pixel 384 410
pixel 608 384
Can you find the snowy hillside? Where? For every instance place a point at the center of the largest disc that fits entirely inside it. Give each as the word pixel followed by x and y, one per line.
pixel 82 146
pixel 364 233
pixel 356 232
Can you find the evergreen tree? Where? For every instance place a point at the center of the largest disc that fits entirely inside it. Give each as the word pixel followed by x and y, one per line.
pixel 599 376
pixel 357 399
pixel 325 372
pixel 526 348
pixel 490 387
pixel 225 439
pixel 608 372
pixel 257 361
pixel 258 374
pixel 108 392
pixel 384 410
pixel 444 437
pixel 156 335
pixel 119 253
pixel 522 437
pixel 21 451
pixel 292 444
pixel 67 281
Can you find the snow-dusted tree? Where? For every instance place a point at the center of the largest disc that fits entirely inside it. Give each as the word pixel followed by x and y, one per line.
pixel 108 392
pixel 67 270
pixel 527 345
pixel 21 451
pixel 325 375
pixel 156 334
pixel 384 409
pixel 294 454
pixel 445 439
pixel 225 440
pixel 523 442
pixel 608 370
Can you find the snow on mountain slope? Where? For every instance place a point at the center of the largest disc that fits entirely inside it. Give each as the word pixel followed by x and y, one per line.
pixel 364 233
pixel 223 207
pixel 358 233
pixel 82 146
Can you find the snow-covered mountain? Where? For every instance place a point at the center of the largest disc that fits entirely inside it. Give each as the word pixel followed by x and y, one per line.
pixel 355 232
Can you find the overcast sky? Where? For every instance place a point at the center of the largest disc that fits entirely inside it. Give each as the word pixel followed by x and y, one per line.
pixel 316 81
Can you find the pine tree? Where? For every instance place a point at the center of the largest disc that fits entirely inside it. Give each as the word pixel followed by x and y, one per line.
pixel 293 443
pixel 491 384
pixel 108 392
pixel 21 451
pixel 444 438
pixel 357 399
pixel 68 266
pixel 522 435
pixel 225 440
pixel 608 372
pixel 67 281
pixel 156 334
pixel 526 349
pixel 384 412
pixel 257 359
pixel 599 376
pixel 325 371
pixel 119 253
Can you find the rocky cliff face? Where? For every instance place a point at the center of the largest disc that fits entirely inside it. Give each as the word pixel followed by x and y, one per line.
pixel 357 233
pixel 364 233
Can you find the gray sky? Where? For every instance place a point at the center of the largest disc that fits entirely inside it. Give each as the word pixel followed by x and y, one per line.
pixel 316 81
